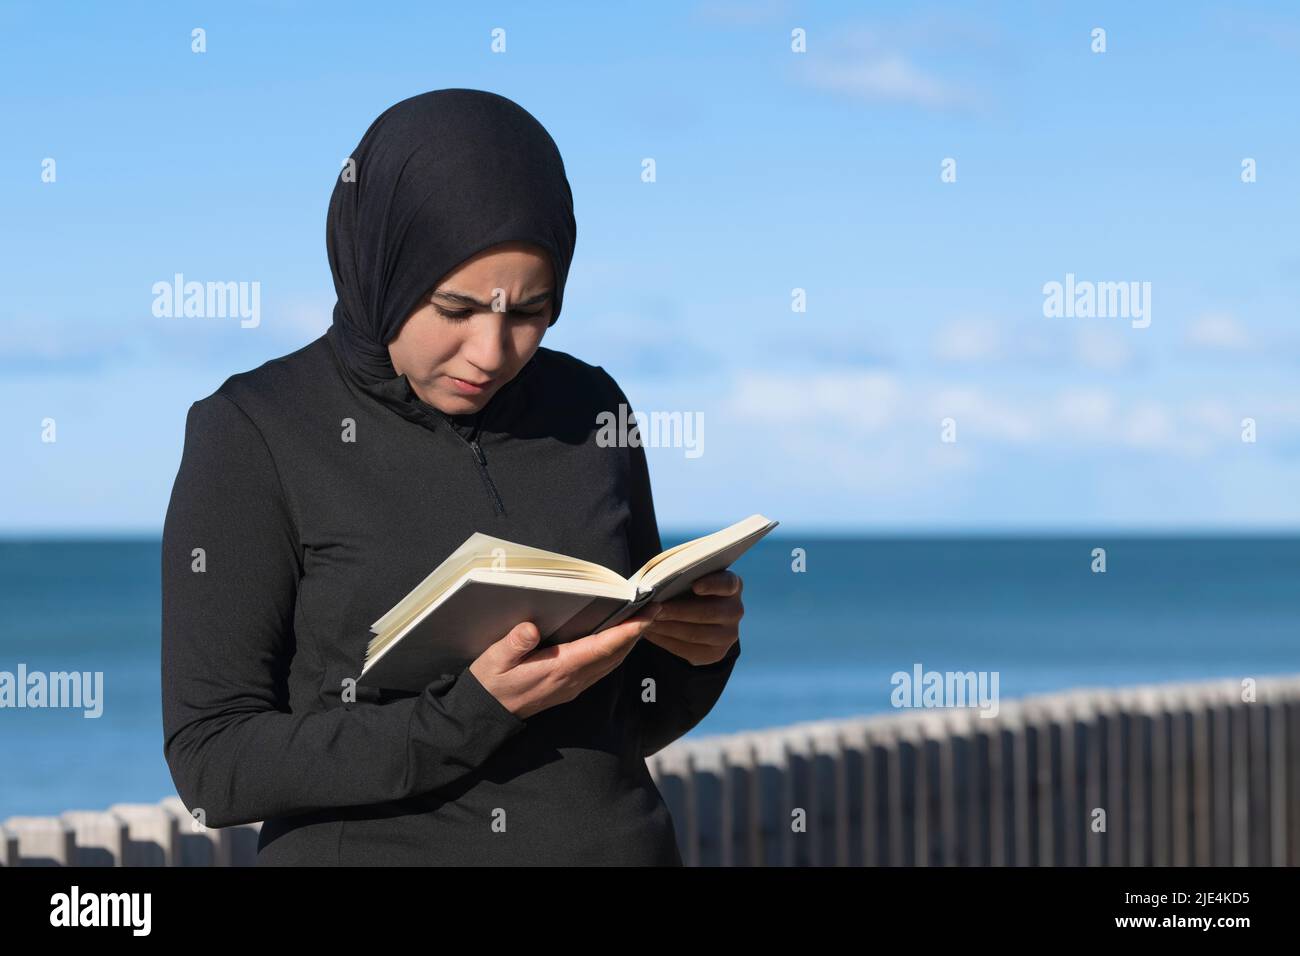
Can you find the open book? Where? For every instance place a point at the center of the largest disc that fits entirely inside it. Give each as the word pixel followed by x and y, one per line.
pixel 488 585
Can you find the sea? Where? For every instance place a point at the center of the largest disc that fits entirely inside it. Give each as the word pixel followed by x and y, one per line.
pixel 830 625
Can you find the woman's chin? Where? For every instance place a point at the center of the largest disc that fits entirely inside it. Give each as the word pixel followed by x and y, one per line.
pixel 461 404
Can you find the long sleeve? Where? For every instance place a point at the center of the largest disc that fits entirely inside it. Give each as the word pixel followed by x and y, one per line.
pixel 231 562
pixel 684 692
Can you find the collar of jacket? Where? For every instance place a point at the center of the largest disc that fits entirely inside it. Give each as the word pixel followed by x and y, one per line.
pixel 397 394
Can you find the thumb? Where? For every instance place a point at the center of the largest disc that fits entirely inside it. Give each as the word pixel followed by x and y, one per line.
pixel 519 643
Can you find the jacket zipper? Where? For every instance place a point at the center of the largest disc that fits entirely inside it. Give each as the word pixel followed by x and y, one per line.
pixel 498 506
pixel 487 479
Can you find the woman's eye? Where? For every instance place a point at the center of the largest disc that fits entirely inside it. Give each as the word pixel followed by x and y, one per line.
pixel 463 314
pixel 458 316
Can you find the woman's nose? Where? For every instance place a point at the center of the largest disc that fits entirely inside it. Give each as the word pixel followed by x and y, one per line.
pixel 488 345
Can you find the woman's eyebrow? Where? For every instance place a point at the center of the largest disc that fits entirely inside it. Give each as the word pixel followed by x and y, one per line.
pixel 464 299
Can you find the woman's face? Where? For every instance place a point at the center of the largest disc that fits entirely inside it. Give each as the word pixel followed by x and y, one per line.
pixel 478 327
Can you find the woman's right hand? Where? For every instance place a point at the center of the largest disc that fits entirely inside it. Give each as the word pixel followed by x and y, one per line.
pixel 526 679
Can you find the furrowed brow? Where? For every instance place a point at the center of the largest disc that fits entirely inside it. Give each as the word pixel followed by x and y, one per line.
pixel 465 299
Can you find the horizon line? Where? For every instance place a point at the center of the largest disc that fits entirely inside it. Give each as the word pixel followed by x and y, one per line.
pixel 90 535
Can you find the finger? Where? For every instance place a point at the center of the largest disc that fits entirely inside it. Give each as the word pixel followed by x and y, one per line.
pixel 695 653
pixel 708 635
pixel 703 610
pixel 521 641
pixel 723 583
pixel 609 643
pixel 602 669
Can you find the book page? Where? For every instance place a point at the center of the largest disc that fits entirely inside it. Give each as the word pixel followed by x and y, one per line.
pixel 484 551
pixel 663 566
pixel 621 591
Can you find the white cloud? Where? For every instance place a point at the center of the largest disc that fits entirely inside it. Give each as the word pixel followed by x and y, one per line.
pixel 885 62
pixel 1148 425
pixel 1219 331
pixel 889 77
pixel 1213 415
pixel 1106 350
pixel 1088 412
pixel 979 340
pixel 969 340
pixel 979 413
pixel 859 401
pixel 876 406
pixel 45 344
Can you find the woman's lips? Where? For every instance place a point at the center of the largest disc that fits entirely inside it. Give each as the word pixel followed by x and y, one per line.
pixel 469 388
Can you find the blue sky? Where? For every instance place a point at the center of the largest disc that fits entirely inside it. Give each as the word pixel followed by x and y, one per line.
pixel 776 171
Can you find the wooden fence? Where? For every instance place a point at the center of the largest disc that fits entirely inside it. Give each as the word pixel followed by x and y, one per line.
pixel 1178 774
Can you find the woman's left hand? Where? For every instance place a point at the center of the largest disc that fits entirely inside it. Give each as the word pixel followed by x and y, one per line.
pixel 701 626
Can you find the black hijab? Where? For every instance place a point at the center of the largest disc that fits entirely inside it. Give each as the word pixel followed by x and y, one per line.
pixel 438 178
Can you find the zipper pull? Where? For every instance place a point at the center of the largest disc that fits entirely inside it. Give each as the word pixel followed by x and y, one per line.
pixel 478 452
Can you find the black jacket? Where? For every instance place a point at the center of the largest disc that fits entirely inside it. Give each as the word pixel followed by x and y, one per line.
pixel 306 538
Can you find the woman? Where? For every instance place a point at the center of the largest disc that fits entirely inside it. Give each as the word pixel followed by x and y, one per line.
pixel 316 490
